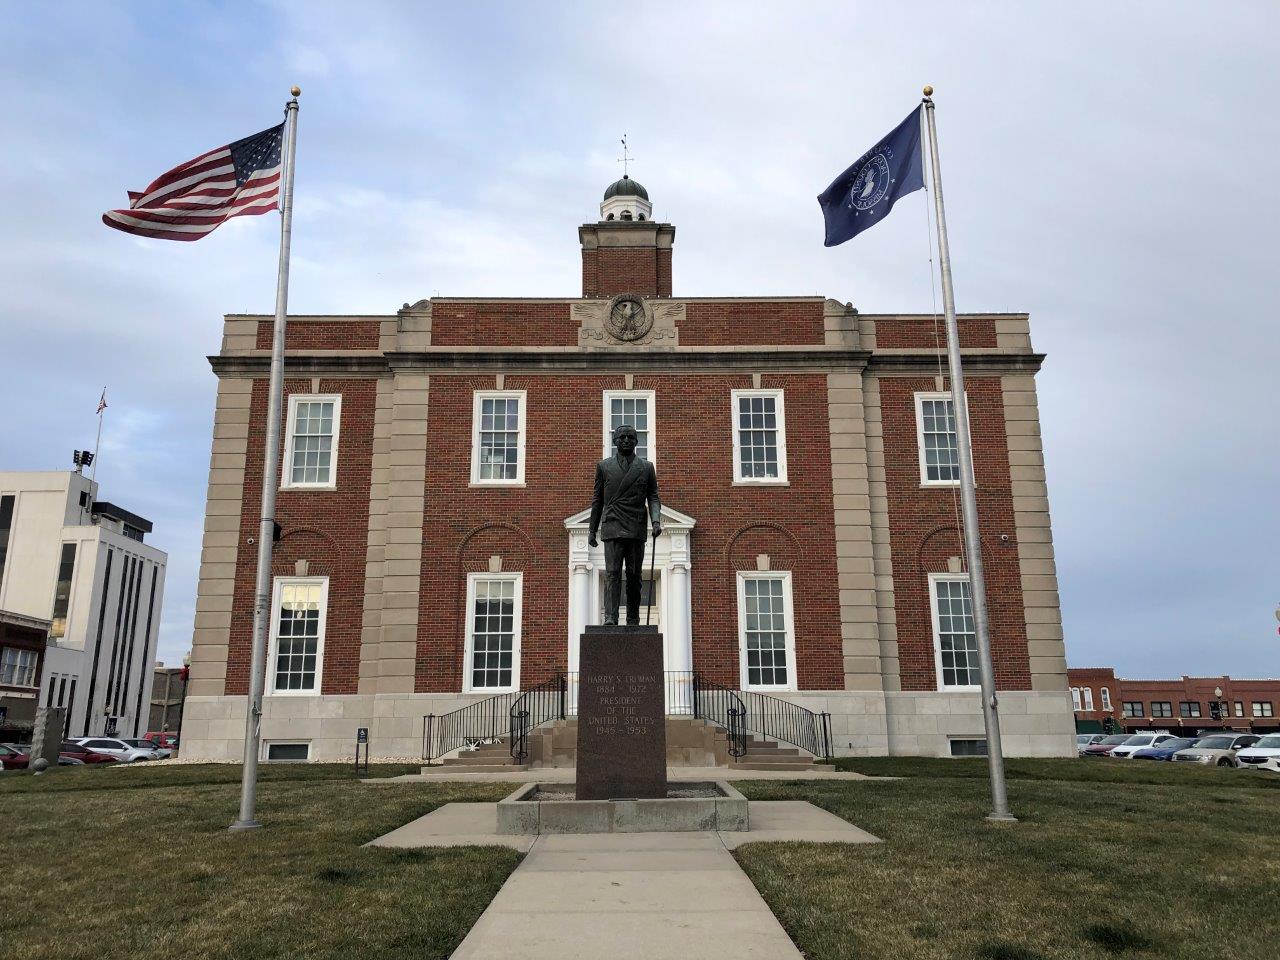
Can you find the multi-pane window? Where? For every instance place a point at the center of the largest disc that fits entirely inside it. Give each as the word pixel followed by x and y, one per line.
pixel 766 630
pixel 936 434
pixel 1189 708
pixel 1239 708
pixel 62 590
pixel 1075 699
pixel 955 637
pixel 311 454
pixel 297 640
pixel 1262 708
pixel 759 437
pixel 1133 708
pixel 493 632
pixel 497 437
pixel 1161 708
pixel 1106 698
pixel 1088 697
pixel 18 667
pixel 634 408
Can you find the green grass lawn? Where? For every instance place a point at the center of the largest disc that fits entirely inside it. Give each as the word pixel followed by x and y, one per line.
pixel 1110 858
pixel 128 863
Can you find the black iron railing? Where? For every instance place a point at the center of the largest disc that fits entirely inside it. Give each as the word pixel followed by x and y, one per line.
pixel 722 706
pixel 537 705
pixel 779 719
pixel 484 721
pixel 513 715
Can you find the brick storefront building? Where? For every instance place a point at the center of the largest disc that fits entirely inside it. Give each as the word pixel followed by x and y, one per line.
pixel 437 472
pixel 1189 704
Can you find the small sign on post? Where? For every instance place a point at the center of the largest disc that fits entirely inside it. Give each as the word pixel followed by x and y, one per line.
pixel 362 739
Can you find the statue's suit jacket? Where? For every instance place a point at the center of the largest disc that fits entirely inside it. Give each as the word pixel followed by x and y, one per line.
pixel 625 499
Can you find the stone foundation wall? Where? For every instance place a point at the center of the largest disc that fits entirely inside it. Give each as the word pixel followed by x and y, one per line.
pixel 1034 723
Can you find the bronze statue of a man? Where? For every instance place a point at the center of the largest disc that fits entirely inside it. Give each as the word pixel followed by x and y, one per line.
pixel 626 495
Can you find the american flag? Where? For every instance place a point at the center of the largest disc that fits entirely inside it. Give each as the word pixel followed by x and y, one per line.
pixel 192 199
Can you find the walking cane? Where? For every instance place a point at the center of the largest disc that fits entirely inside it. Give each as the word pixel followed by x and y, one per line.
pixel 653 562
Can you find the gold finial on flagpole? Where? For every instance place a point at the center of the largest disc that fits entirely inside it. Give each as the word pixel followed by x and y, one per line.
pixel 928 90
pixel 296 91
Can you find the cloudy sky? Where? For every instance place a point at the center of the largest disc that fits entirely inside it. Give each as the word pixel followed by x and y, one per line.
pixel 1108 169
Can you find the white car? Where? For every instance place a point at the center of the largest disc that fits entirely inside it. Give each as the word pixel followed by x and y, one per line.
pixel 117 748
pixel 162 753
pixel 1263 755
pixel 1140 741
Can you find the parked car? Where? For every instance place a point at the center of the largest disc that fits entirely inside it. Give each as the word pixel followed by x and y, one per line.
pixel 1087 739
pixel 165 739
pixel 1164 751
pixel 1140 740
pixel 11 758
pixel 1104 746
pixel 118 749
pixel 75 753
pixel 1263 755
pixel 1217 749
pixel 162 753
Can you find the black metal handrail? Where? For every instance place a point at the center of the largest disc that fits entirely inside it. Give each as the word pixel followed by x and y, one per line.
pixel 720 705
pixel 481 722
pixel 789 722
pixel 534 707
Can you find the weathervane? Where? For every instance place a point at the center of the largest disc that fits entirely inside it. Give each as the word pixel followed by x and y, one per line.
pixel 626 157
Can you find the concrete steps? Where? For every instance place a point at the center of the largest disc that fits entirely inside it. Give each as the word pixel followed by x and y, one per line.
pixel 486 758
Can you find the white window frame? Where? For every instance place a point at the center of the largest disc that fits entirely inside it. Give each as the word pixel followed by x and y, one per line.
pixel 922 396
pixel 268 744
pixel 1105 693
pixel 286 472
pixel 469 647
pixel 274 639
pixel 22 655
pixel 780 408
pixel 1088 699
pixel 651 401
pixel 789 621
pixel 1075 697
pixel 934 580
pixel 478 397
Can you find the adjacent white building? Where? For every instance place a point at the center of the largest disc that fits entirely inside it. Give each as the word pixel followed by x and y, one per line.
pixel 82 564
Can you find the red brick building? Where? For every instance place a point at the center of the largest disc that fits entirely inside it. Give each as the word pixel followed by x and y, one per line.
pixel 437 472
pixel 1190 704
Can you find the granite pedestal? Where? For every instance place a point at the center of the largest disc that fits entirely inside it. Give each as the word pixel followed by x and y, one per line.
pixel 622 730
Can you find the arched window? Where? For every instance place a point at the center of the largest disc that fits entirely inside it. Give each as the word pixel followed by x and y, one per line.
pixel 626 215
pixel 1075 699
pixel 609 217
pixel 1106 698
pixel 642 216
pixel 1088 697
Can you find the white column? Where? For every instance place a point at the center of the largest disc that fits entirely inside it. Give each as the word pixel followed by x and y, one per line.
pixel 579 609
pixel 679 636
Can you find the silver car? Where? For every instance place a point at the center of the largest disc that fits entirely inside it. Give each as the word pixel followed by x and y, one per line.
pixel 1217 749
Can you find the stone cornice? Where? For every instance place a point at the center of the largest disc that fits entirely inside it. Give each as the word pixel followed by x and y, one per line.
pixel 914 364
pixel 568 360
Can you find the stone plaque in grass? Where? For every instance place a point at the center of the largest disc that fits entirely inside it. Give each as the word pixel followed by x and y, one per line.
pixel 622 726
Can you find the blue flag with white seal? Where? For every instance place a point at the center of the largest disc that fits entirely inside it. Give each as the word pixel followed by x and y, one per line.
pixel 864 194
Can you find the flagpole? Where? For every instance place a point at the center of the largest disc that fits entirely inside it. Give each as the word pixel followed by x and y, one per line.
pixel 270 475
pixel 968 497
pixel 93 467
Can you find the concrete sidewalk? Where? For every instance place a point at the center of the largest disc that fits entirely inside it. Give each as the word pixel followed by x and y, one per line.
pixel 458 774
pixel 628 896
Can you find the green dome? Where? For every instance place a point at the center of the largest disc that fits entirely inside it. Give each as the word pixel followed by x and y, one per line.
pixel 626 187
